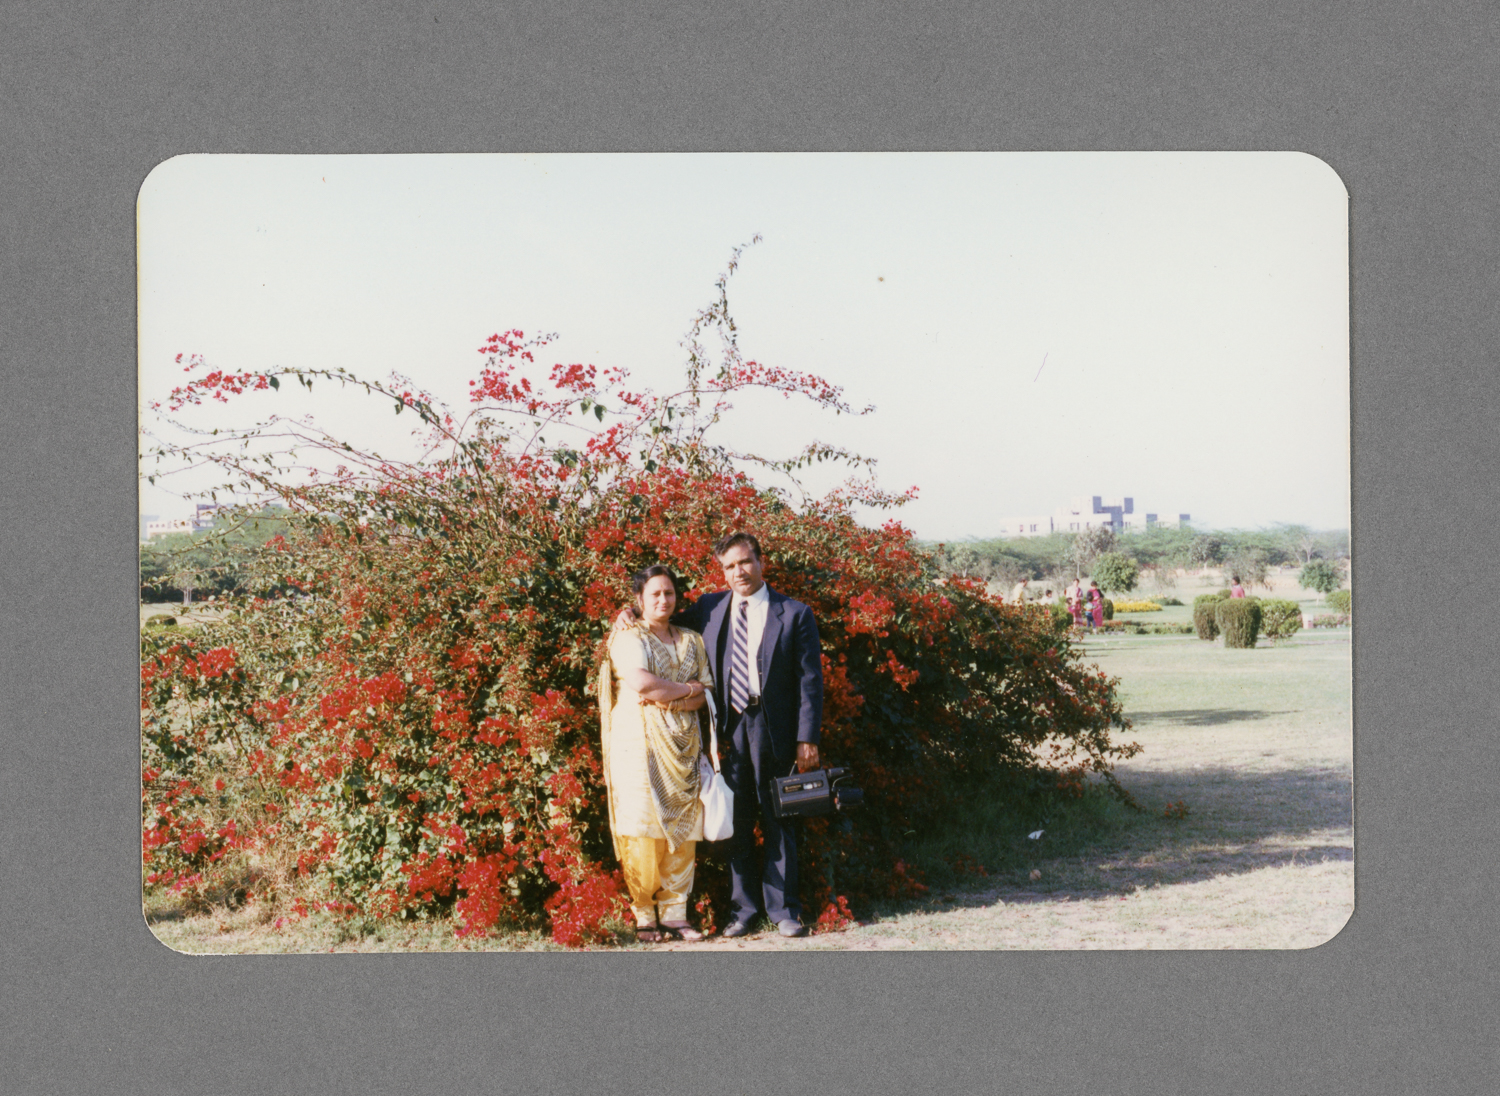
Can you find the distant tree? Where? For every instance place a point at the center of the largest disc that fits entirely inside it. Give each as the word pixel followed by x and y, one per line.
pixel 984 561
pixel 1322 575
pixel 1250 564
pixel 1205 550
pixel 1305 544
pixel 216 560
pixel 1299 541
pixel 1115 571
pixel 1161 546
pixel 1334 543
pixel 1087 546
pixel 1041 556
pixel 1266 542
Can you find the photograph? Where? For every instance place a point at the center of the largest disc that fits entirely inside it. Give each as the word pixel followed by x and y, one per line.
pixel 645 552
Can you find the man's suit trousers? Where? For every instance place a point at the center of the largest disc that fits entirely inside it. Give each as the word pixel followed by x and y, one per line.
pixel 748 768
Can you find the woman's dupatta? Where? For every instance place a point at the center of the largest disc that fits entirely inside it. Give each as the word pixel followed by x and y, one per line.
pixel 606 705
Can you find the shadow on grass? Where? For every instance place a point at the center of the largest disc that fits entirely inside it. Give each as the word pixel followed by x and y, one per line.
pixel 1205 717
pixel 1235 822
pixel 1202 868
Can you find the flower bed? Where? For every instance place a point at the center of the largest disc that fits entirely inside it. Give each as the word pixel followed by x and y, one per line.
pixel 1328 620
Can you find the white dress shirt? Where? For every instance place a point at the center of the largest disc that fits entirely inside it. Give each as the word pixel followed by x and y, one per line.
pixel 760 604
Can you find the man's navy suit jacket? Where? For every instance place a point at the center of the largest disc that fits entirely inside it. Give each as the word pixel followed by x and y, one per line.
pixel 790 664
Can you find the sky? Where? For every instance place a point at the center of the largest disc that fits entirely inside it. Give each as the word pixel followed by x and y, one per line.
pixel 1031 327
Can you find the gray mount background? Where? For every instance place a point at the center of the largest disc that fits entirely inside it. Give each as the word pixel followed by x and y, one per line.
pixel 1402 104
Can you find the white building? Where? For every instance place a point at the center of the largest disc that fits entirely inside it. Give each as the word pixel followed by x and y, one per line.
pixel 164 526
pixel 1088 512
pixel 203 518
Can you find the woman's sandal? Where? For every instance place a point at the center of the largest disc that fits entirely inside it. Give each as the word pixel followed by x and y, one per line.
pixel 647 935
pixel 683 931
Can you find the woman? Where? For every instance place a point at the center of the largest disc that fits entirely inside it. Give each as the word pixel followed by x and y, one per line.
pixel 1096 606
pixel 1075 603
pixel 650 691
pixel 1236 590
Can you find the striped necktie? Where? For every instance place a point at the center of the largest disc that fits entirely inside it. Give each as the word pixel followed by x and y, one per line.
pixel 739 660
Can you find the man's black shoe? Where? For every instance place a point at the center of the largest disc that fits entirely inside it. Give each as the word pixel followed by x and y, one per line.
pixel 736 928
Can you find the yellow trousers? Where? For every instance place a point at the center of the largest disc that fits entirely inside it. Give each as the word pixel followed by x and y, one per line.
pixel 657 878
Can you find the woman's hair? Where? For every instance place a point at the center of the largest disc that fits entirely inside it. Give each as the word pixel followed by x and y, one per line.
pixel 638 583
pixel 1236 579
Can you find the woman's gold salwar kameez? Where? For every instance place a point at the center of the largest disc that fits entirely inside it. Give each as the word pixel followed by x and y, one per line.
pixel 651 770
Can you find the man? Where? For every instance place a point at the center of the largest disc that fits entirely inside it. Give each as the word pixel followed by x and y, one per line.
pixel 768 687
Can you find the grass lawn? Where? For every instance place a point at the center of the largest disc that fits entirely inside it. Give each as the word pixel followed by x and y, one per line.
pixel 1255 746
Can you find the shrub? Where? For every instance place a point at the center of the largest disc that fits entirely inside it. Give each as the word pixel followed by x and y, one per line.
pixel 1137 607
pixel 1238 618
pixel 1321 575
pixel 1116 571
pixel 1139 628
pixel 1204 607
pixel 1109 609
pixel 1166 600
pixel 1329 620
pixel 1280 619
pixel 1341 601
pixel 418 738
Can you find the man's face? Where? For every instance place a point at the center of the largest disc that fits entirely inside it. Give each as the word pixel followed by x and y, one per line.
pixel 742 569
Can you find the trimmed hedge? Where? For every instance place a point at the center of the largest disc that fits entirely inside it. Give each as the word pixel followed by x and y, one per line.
pixel 1341 601
pixel 1109 609
pixel 1137 628
pixel 1238 618
pixel 1204 606
pixel 1280 619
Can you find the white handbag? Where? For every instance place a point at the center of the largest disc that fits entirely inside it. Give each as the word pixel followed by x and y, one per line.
pixel 717 799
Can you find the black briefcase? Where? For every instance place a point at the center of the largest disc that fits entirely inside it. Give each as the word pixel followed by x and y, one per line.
pixel 813 793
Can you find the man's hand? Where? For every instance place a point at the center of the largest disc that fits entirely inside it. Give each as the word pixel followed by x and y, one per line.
pixel 807 757
pixel 626 619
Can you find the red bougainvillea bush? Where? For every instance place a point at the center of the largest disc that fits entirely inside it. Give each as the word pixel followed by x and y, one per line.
pixel 402 723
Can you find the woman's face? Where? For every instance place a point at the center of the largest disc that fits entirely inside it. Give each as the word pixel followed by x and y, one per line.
pixel 658 600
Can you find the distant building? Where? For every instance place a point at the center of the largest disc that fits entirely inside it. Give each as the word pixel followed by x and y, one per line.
pixel 1086 512
pixel 161 527
pixel 203 518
